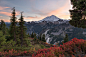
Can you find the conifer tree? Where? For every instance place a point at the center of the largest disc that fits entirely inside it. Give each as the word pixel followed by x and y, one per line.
pixel 35 37
pixel 22 30
pixel 2 22
pixel 78 13
pixel 28 35
pixel 18 42
pixel 39 37
pixel 43 38
pixel 3 27
pixel 66 38
pixel 13 25
pixel 32 35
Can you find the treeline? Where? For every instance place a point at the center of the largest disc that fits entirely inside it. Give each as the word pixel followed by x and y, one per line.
pixel 16 34
pixel 41 37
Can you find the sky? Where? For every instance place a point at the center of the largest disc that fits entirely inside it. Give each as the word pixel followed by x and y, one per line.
pixel 34 10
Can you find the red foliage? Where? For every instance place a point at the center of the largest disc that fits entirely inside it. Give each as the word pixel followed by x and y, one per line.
pixel 67 49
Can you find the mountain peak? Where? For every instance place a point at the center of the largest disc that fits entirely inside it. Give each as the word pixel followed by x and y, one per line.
pixel 53 15
pixel 51 18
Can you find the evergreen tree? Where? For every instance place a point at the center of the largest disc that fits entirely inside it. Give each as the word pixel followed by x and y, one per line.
pixel 66 38
pixel 28 35
pixel 35 38
pixel 18 41
pixel 3 27
pixel 22 30
pixel 13 25
pixel 2 41
pixel 32 35
pixel 43 38
pixel 39 37
pixel 78 13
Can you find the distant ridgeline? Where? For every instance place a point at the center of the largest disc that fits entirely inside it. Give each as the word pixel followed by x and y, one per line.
pixel 54 29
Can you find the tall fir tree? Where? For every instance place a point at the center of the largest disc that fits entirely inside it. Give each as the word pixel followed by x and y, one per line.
pixel 3 27
pixel 66 38
pixel 39 37
pixel 78 13
pixel 43 38
pixel 22 30
pixel 32 35
pixel 2 22
pixel 12 30
pixel 35 37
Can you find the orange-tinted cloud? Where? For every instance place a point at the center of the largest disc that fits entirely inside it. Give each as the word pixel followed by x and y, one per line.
pixel 61 12
pixel 30 17
pixel 5 13
pixel 2 8
pixel 1 16
pixel 5 20
pixel 8 13
pixel 64 16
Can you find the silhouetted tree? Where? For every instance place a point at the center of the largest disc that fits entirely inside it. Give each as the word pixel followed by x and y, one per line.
pixel 78 13
pixel 43 38
pixel 13 25
pixel 35 37
pixel 39 37
pixel 32 35
pixel 3 27
pixel 66 38
pixel 28 35
pixel 22 30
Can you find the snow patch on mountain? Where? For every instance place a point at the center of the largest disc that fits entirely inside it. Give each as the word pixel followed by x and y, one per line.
pixel 50 18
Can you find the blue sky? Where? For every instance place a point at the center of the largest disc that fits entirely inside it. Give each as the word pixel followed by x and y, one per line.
pixel 35 10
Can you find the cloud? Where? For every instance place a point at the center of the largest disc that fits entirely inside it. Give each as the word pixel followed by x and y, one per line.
pixel 42 12
pixel 39 9
pixel 61 12
pixel 5 20
pixel 8 13
pixel 1 16
pixel 2 8
pixel 5 13
pixel 31 17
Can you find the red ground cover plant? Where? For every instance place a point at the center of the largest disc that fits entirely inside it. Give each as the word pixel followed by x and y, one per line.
pixel 12 53
pixel 75 47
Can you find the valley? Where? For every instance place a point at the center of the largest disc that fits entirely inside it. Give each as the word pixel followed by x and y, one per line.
pixel 54 30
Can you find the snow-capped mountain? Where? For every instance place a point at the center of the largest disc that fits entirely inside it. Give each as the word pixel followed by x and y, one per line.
pixel 51 18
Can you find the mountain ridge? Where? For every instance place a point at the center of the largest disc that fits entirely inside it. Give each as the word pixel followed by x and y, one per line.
pixel 51 18
pixel 55 31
